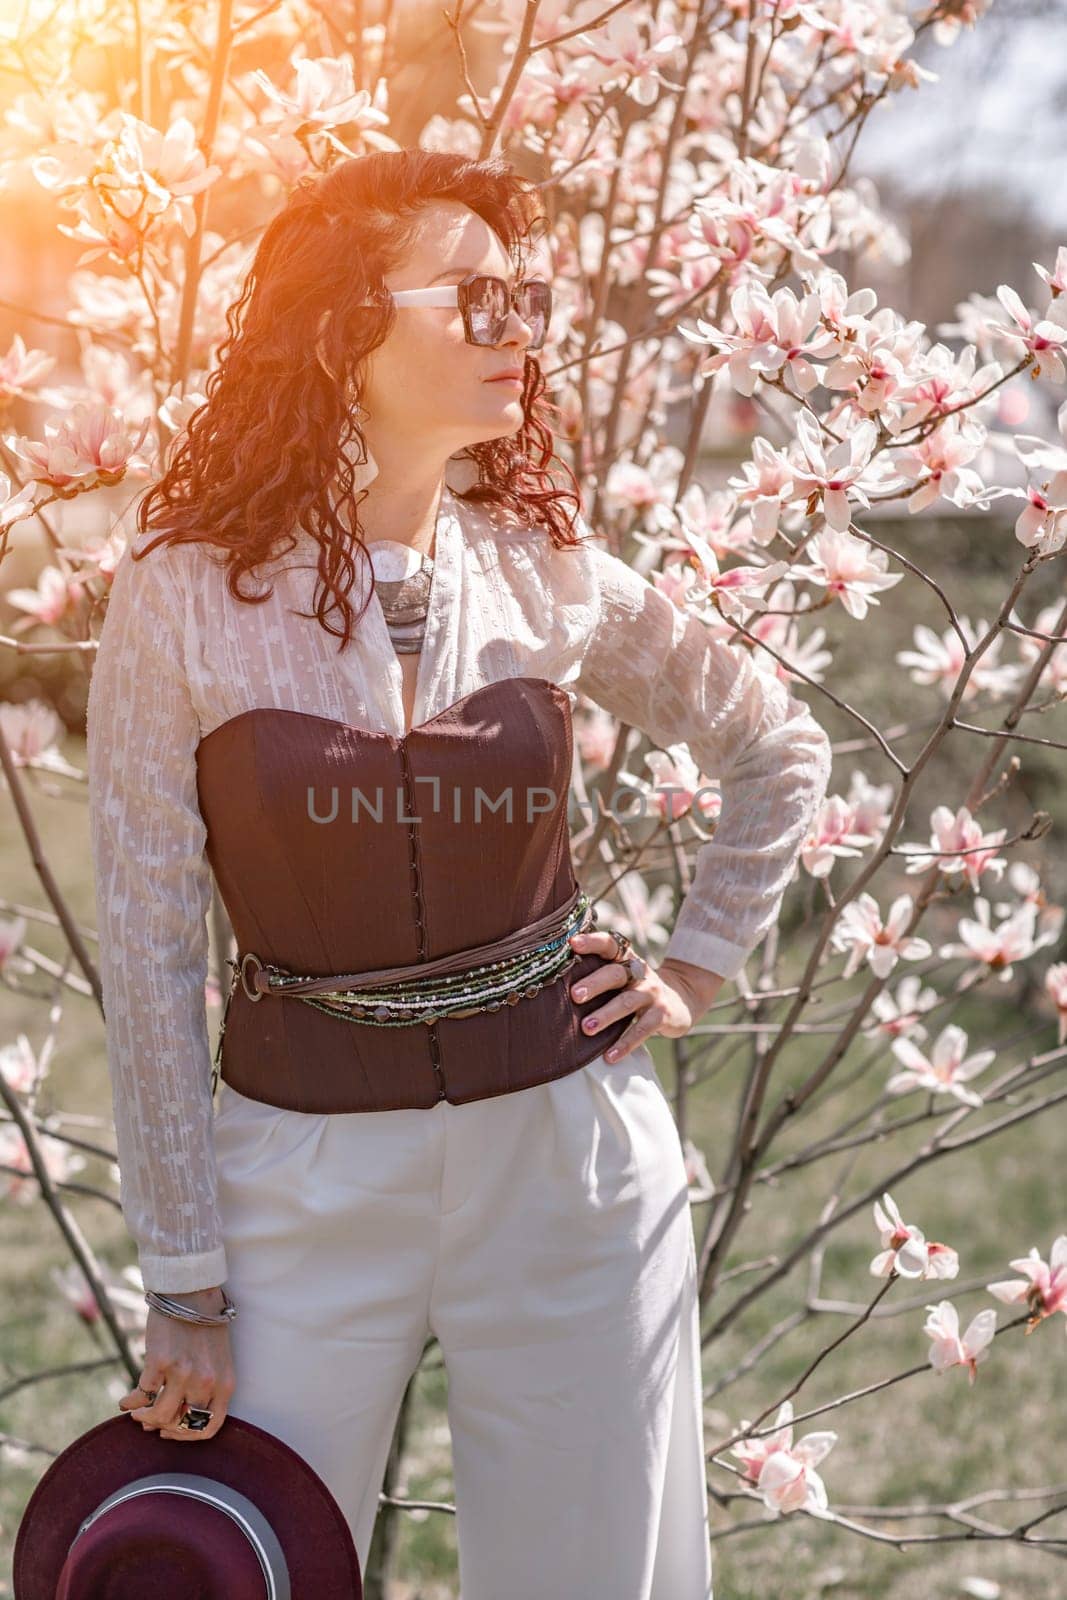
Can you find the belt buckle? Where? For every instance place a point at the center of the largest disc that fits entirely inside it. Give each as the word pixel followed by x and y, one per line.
pixel 248 956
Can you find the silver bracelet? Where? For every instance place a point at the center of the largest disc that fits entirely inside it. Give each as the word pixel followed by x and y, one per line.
pixel 174 1308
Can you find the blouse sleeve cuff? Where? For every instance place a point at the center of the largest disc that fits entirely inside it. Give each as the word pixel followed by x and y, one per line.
pixel 706 950
pixel 184 1274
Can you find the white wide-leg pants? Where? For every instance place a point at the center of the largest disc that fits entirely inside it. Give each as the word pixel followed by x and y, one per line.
pixel 544 1237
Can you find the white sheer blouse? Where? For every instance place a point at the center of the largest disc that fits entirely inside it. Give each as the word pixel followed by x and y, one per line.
pixel 178 657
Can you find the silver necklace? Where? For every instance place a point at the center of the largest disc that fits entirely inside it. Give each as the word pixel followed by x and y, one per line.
pixel 402 578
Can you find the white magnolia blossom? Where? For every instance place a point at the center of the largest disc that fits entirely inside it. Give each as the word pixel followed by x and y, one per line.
pixel 861 931
pixel 943 1070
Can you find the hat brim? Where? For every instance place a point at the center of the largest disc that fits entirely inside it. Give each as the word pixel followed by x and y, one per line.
pixel 310 1525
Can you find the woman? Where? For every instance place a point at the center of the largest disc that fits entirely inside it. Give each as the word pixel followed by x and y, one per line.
pixel 502 1173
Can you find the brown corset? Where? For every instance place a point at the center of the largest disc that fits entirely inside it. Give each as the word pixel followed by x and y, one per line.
pixel 323 870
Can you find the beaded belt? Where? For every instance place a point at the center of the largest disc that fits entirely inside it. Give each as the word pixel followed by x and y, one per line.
pixel 480 978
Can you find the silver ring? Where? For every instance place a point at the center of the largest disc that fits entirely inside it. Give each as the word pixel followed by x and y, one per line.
pixel 196 1419
pixel 637 962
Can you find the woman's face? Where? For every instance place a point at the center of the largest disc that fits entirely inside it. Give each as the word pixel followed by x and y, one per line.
pixel 426 389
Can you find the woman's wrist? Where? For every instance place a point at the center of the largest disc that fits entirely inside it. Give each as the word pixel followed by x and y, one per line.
pixel 700 986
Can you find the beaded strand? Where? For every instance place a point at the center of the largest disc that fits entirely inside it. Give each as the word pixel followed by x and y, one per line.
pixel 482 988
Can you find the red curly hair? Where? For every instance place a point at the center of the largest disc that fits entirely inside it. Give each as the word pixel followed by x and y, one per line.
pixel 258 458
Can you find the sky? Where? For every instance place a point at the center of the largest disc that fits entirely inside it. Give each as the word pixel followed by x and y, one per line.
pixel 997 116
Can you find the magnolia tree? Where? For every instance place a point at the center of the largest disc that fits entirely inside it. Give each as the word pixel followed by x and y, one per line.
pixel 694 165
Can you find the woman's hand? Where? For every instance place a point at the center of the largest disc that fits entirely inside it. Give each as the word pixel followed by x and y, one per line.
pixel 666 1001
pixel 186 1365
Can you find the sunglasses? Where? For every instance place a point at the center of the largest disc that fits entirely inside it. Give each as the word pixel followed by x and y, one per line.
pixel 485 303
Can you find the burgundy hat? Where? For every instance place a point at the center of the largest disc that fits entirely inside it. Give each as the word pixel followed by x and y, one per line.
pixel 122 1513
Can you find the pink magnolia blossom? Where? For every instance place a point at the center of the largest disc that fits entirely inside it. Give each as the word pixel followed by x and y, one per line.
pixel 15 506
pixel 1057 278
pixel 125 1294
pixel 76 1292
pixel 948 380
pixel 771 339
pixel 1054 675
pixel 711 515
pixel 646 490
pixel 860 930
pixel 951 19
pixel 54 116
pixel 905 1248
pixel 324 96
pixel 106 303
pixel 112 376
pixel 20 1184
pixel 736 590
pixel 595 734
pixel 555 87
pixel 944 1071
pixel 992 949
pixel 639 50
pixel 1043 1286
pixel 1043 521
pixel 163 169
pixel 221 279
pixel 1044 337
pixel 90 447
pixel 940 660
pixel 756 207
pixel 764 483
pixel 843 313
pixel 1030 891
pixel 19 1066
pixel 22 369
pixel 979 321
pixel 781 634
pixel 875 365
pixel 850 569
pixel 1042 525
pixel 833 834
pixel 641 916
pixel 957 844
pixel 679 580
pixel 100 559
pixel 177 409
pixel 897 1015
pixel 832 475
pixel 676 780
pixel 287 158
pixel 678 788
pixel 870 804
pixel 1056 989
pixel 139 180
pixel 948 1349
pixel 55 597
pixel 880 39
pixel 674 288
pixel 675 770
pixel 939 462
pixel 32 729
pixel 784 1472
